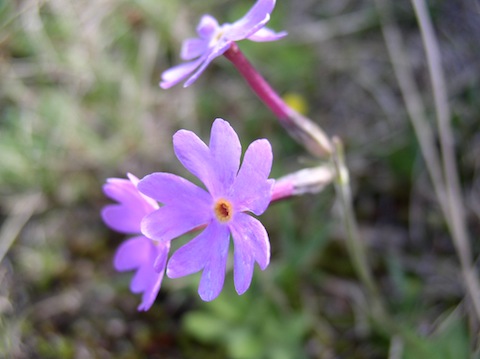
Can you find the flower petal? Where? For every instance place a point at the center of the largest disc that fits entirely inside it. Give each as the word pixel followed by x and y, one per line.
pixel 119 189
pixel 169 222
pixel 140 280
pixel 243 264
pixel 154 276
pixel 140 253
pixel 218 50
pixel 265 34
pixel 192 256
pixel 253 21
pixel 143 278
pixel 160 262
pixel 207 251
pixel 147 280
pixel 226 151
pixel 192 48
pixel 213 276
pixel 149 201
pixel 207 27
pixel 195 156
pixel 174 75
pixel 151 291
pixel 252 190
pixel 251 231
pixel 122 219
pixel 126 216
pixel 251 244
pixel 131 253
pixel 170 189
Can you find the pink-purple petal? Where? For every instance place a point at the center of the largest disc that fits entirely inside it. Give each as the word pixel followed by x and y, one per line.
pixel 226 151
pixel 253 20
pixel 119 189
pixel 252 189
pixel 213 276
pixel 160 262
pixel 250 244
pixel 125 216
pixel 207 251
pixel 207 27
pixel 154 275
pixel 140 279
pixel 192 48
pixel 122 219
pixel 139 253
pixel 249 235
pixel 192 256
pixel 151 291
pixel 131 253
pixel 169 222
pixel 175 74
pixel 195 156
pixel 243 265
pixel 150 204
pixel 218 50
pixel 171 189
pixel 265 34
pixel 237 33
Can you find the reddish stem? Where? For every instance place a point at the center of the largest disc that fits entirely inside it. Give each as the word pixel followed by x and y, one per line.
pixel 258 84
pixel 304 130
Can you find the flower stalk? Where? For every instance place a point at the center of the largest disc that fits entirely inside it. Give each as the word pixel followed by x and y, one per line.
pixel 308 180
pixel 302 129
pixel 314 139
pixel 355 245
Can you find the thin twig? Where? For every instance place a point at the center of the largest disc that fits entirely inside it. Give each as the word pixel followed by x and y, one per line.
pixel 456 219
pixel 22 211
pixel 413 100
pixel 445 181
pixel 396 348
pixel 355 245
pixel 446 138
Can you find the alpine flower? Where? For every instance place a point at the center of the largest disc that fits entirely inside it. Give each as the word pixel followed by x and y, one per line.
pixel 231 191
pixel 214 39
pixel 139 252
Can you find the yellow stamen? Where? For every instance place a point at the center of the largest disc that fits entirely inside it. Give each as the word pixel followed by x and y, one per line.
pixel 223 210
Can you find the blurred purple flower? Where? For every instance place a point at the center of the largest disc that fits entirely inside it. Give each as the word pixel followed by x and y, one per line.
pixel 214 39
pixel 137 253
pixel 231 193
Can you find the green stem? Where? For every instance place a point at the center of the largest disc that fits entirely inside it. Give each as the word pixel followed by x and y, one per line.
pixel 355 246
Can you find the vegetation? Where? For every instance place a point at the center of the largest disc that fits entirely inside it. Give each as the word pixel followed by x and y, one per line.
pixel 80 102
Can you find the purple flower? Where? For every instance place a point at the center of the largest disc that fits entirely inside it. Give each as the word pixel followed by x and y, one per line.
pixel 137 253
pixel 231 193
pixel 214 39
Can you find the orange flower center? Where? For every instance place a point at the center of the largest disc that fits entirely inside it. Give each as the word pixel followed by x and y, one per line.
pixel 223 210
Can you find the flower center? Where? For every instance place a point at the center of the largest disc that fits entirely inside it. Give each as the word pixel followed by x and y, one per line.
pixel 218 35
pixel 223 210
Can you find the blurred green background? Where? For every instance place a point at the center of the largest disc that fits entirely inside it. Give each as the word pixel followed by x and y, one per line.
pixel 80 102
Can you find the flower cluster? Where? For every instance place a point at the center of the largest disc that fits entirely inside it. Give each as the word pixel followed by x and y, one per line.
pixel 163 206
